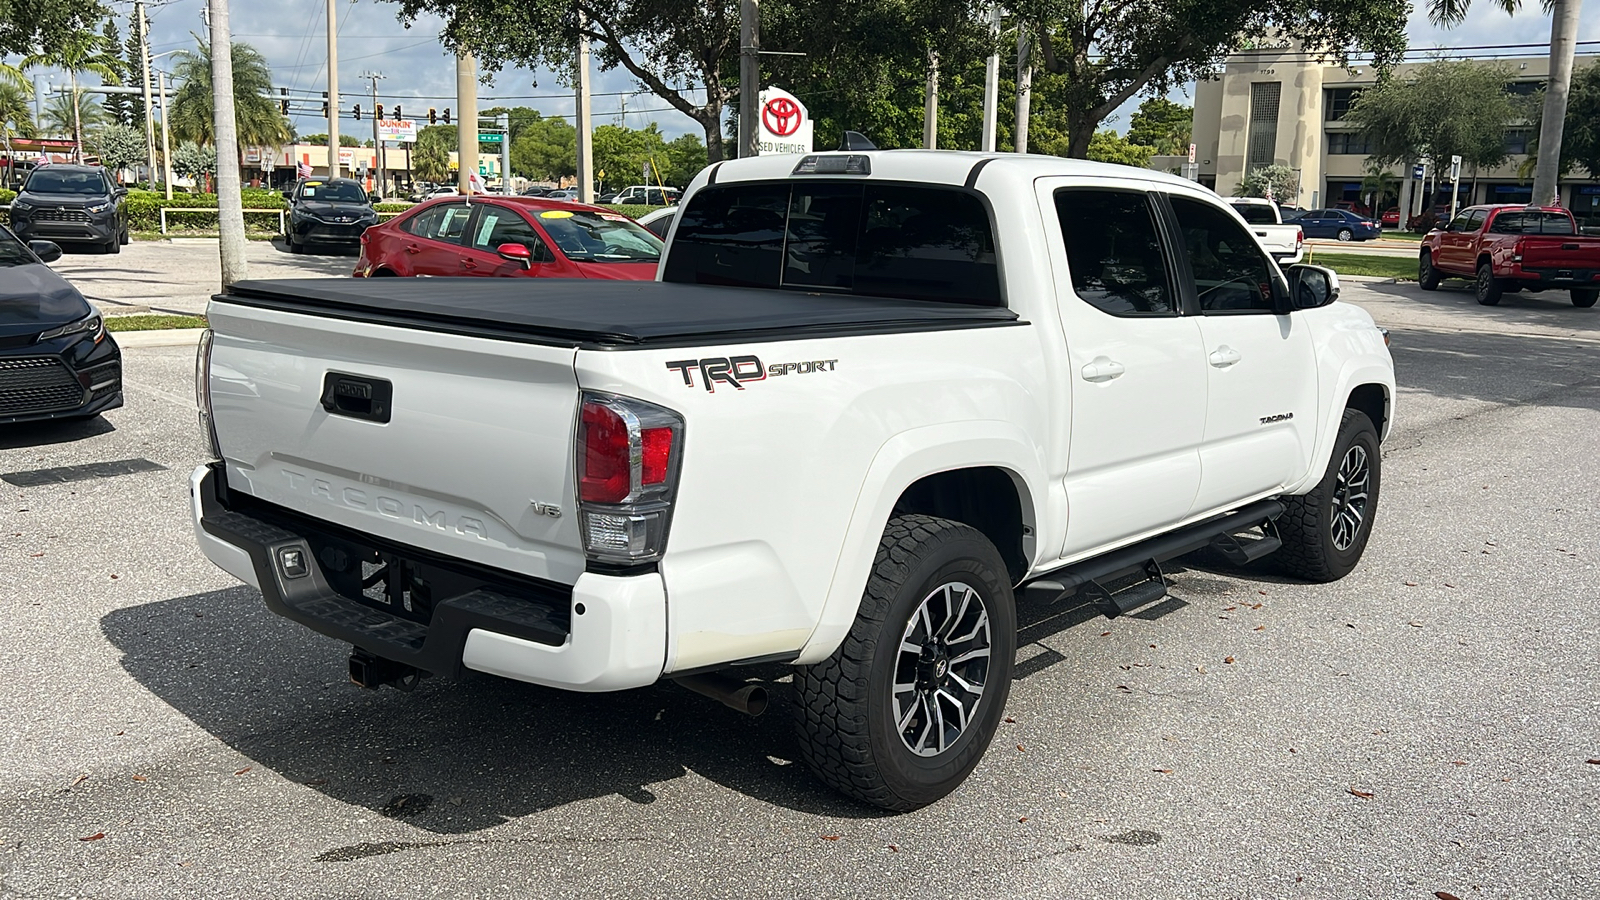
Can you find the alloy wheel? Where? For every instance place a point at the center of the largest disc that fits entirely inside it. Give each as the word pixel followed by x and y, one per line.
pixel 941 668
pixel 1350 497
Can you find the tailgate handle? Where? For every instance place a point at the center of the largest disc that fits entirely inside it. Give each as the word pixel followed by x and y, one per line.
pixel 1569 246
pixel 357 396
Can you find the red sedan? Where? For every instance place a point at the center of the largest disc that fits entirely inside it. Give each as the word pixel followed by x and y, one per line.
pixel 509 236
pixel 1390 217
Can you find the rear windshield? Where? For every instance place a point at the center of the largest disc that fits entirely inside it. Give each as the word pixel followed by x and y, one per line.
pixel 882 240
pixel 1256 213
pixel 46 180
pixel 1532 222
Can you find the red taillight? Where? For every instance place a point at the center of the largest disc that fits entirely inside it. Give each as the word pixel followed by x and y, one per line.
pixel 657 453
pixel 1299 237
pixel 606 476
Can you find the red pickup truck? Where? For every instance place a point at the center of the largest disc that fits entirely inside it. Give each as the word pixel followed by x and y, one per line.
pixel 1506 249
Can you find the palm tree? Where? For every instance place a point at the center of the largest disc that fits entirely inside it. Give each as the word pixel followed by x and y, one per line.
pixel 83 51
pixel 259 121
pixel 1563 44
pixel 64 113
pixel 16 114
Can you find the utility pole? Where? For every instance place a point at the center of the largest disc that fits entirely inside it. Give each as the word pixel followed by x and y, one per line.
pixel 230 205
pixel 377 147
pixel 991 84
pixel 930 108
pixel 622 112
pixel 1024 86
pixel 333 90
pixel 505 154
pixel 583 120
pixel 166 142
pixel 467 117
pixel 749 75
pixel 144 58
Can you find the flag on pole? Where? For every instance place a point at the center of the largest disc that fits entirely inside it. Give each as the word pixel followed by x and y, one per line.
pixel 303 170
pixel 475 183
pixel 44 158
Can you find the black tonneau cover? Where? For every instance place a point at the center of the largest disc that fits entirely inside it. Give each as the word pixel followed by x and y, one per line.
pixel 578 312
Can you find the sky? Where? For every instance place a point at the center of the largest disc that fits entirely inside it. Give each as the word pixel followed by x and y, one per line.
pixel 419 73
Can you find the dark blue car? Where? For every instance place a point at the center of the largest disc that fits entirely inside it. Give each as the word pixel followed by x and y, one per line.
pixel 1336 223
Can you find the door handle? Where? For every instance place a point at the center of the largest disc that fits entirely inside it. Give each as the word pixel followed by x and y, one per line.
pixel 1261 234
pixel 1224 356
pixel 468 264
pixel 413 249
pixel 1102 369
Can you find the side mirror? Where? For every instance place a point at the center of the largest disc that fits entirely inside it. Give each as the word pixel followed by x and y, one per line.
pixel 516 253
pixel 288 195
pixel 47 251
pixel 1312 286
pixel 374 200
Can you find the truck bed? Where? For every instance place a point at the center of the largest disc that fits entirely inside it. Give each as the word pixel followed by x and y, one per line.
pixel 598 314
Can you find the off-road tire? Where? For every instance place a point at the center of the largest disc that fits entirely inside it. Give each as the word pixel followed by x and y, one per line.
pixel 845 705
pixel 1309 549
pixel 1428 277
pixel 1583 298
pixel 1487 287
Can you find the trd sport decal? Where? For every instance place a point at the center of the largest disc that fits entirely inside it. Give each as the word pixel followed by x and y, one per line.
pixel 738 371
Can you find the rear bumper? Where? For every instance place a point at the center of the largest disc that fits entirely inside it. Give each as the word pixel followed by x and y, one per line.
pixel 602 634
pixel 1578 277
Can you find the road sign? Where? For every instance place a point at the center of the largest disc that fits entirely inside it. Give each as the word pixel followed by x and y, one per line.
pixel 1455 168
pixel 785 123
pixel 1418 171
pixel 1191 154
pixel 490 137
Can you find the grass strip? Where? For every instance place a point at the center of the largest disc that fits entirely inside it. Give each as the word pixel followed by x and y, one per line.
pixel 1360 264
pixel 152 322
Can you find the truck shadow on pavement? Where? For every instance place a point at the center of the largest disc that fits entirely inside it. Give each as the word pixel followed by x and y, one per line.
pixel 451 757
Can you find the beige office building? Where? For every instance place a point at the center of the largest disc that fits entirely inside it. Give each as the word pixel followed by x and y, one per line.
pixel 1278 105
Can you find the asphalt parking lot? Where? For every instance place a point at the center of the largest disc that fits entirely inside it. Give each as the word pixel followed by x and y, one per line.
pixel 1427 724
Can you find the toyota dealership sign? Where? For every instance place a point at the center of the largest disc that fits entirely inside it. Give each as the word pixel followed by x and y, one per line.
pixel 785 124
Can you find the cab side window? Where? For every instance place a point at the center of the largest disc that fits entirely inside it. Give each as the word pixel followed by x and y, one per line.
pixel 498 225
pixel 1114 253
pixel 1475 220
pixel 1231 274
pixel 445 222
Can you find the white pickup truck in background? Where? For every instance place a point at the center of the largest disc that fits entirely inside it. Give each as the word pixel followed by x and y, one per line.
pixel 1286 243
pixel 875 400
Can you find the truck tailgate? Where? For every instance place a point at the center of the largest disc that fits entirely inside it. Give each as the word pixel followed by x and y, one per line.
pixel 1553 251
pixel 456 444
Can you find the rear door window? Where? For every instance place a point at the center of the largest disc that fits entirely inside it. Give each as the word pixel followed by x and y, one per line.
pixel 446 222
pixel 1114 252
pixel 884 240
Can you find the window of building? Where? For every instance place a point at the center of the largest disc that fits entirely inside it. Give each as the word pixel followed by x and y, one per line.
pixel 1524 88
pixel 1114 252
pixel 1336 102
pixel 1230 273
pixel 1516 140
pixel 1265 98
pixel 884 240
pixel 1348 142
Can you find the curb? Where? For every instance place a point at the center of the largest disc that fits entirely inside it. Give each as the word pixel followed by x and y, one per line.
pixel 161 337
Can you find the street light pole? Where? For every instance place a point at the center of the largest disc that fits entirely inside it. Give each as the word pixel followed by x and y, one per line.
pixel 377 150
pixel 166 141
pixel 149 114
pixel 585 126
pixel 333 91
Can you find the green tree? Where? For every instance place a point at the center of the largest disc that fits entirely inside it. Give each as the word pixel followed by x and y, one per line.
pixel 546 150
pixel 430 158
pixel 133 65
pixel 1108 146
pixel 321 140
pixel 1446 108
pixel 83 52
pixel 260 121
pixel 60 115
pixel 622 152
pixel 1111 52
pixel 1580 143
pixel 685 157
pixel 121 147
pixel 1162 124
pixel 16 114
pixel 43 26
pixel 1282 182
pixel 116 105
pixel 192 160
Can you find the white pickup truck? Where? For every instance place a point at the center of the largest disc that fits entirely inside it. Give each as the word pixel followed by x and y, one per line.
pixel 873 401
pixel 1286 243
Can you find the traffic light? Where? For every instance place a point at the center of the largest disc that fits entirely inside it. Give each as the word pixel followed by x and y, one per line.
pixel 447 115
pixel 397 114
pixel 324 104
pixel 284 105
pixel 358 112
pixel 377 112
pixel 433 116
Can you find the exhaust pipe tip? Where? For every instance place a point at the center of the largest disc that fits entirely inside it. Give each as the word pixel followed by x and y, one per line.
pixel 750 699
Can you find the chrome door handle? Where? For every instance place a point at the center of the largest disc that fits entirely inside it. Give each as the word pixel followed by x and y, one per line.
pixel 1101 369
pixel 1224 356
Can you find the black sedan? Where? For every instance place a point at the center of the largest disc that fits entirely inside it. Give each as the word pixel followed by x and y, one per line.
pixel 56 360
pixel 328 211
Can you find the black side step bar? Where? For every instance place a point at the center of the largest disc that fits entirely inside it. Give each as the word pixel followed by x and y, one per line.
pixel 1145 558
